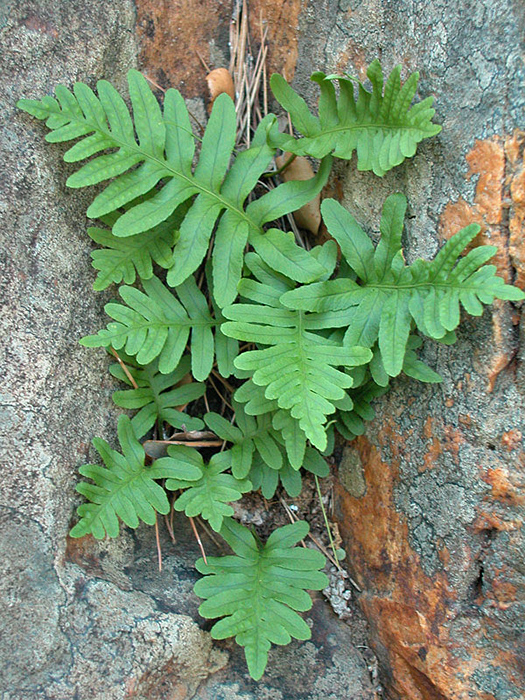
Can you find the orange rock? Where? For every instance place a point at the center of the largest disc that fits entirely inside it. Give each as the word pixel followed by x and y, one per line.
pixel 414 616
pixel 498 165
pixel 282 19
pixel 172 35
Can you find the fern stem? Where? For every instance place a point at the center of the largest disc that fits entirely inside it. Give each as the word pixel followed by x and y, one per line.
pixel 197 537
pixel 283 166
pixel 168 519
pixel 126 370
pixel 327 524
pixel 157 539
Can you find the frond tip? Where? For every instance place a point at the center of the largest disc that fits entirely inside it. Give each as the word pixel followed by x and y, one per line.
pixel 393 296
pixel 210 495
pixel 380 125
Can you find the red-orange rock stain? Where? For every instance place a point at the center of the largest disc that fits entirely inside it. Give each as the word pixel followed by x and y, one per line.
pixel 499 208
pixel 409 611
pixel 172 34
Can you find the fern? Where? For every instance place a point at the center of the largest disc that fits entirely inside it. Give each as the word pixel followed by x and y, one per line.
pixel 161 155
pixel 322 343
pixel 379 125
pixel 298 366
pixel 250 435
pixel 258 591
pixel 209 495
pixel 157 396
pixel 154 324
pixel 122 259
pixel 282 421
pixel 125 488
pixel 267 479
pixel 392 295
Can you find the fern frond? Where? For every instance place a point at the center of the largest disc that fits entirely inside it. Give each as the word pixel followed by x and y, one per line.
pixel 256 404
pixel 267 479
pixel 122 259
pixel 392 296
pixel 157 395
pixel 380 125
pixel 155 324
pixel 298 368
pixel 155 148
pixel 258 590
pixel 125 488
pixel 249 435
pixel 209 495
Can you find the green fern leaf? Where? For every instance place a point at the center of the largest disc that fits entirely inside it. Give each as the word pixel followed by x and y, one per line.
pixel 209 495
pixel 122 259
pixel 226 349
pixel 125 488
pixel 161 155
pixel 380 125
pixel 267 479
pixel 249 435
pixel 351 423
pixel 393 296
pixel 298 368
pixel 157 396
pixel 156 324
pixel 258 591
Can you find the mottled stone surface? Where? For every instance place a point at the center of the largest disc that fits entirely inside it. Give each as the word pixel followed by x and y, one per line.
pixel 435 533
pixel 65 631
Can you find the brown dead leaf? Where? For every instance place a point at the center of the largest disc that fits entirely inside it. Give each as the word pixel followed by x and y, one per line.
pixel 309 216
pixel 187 379
pixel 219 81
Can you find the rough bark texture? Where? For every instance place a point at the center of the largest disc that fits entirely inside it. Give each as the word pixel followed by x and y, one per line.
pixel 430 500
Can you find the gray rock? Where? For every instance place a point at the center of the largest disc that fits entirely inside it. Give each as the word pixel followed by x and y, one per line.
pixel 64 633
pixel 441 560
pixel 440 557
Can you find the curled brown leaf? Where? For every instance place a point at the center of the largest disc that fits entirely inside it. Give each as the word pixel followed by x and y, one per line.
pixel 219 81
pixel 307 217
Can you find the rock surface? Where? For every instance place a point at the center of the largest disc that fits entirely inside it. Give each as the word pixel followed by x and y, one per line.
pixel 78 618
pixel 432 513
pixel 64 632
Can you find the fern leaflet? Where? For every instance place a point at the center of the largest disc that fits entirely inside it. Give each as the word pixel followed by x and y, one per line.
pixel 380 125
pixel 249 435
pixel 157 396
pixel 209 495
pixel 258 591
pixel 298 368
pixel 267 479
pixel 122 259
pixel 155 324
